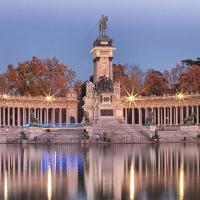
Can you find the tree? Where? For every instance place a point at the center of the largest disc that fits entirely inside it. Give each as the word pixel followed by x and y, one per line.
pixel 40 77
pixel 4 84
pixel 190 62
pixel 155 83
pixel 174 76
pixel 130 77
pixel 59 77
pixel 190 81
pixel 135 78
pixel 120 75
pixel 31 77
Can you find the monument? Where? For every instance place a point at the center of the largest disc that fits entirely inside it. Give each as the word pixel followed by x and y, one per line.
pixel 103 101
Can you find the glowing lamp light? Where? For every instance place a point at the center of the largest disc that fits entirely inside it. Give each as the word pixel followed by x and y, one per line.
pixel 5 96
pixel 131 98
pixel 180 96
pixel 49 98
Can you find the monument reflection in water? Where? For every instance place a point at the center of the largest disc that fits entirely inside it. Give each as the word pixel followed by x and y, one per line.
pixel 167 171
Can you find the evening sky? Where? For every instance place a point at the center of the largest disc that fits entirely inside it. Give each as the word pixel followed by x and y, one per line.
pixel 151 33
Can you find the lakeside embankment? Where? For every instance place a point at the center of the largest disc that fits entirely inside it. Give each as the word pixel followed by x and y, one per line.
pixel 102 134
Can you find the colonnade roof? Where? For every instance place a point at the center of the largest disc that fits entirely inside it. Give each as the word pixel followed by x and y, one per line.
pixel 38 101
pixel 162 101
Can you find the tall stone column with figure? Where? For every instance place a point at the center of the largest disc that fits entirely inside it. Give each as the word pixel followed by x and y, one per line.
pixel 103 98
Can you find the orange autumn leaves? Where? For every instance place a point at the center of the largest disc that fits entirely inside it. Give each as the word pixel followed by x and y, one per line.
pixel 49 76
pixel 182 78
pixel 37 77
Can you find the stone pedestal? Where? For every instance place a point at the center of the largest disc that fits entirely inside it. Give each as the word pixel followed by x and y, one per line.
pixel 102 103
pixel 104 107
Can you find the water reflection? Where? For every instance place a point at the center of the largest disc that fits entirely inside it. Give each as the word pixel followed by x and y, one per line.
pixel 132 181
pixel 5 185
pixel 49 184
pixel 181 181
pixel 168 171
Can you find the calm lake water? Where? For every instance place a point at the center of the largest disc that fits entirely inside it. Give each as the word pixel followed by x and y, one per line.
pixel 114 172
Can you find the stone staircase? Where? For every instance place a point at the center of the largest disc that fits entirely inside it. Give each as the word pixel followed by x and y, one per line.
pixel 70 135
pixel 10 135
pixel 9 138
pixel 120 133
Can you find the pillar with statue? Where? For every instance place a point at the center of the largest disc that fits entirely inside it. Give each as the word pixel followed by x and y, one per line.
pixel 102 103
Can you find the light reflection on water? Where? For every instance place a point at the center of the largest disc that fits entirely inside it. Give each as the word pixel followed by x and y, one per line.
pixel 132 181
pixel 114 172
pixel 49 184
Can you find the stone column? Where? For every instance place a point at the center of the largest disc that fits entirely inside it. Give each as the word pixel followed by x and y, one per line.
pixel 170 113
pixel 176 115
pixel 18 117
pixel 154 115
pixel 158 116
pixel 8 116
pixel 4 116
pixel 67 116
pixel 160 113
pixel 13 116
pixel 187 111
pixel 192 109
pixel 29 115
pixel 164 116
pixel 181 115
pixel 47 116
pixel 133 116
pixel 197 114
pixel 24 116
pixel 140 116
pixel 40 115
pixel 53 116
pixel 60 116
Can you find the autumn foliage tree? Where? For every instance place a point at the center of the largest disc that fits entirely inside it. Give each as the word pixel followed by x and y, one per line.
pixel 130 77
pixel 39 77
pixel 49 76
pixel 155 83
pixel 136 76
pixel 190 81
pixel 184 77
pixel 120 75
pixel 174 78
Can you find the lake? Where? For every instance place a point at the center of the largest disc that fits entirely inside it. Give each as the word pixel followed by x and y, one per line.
pixel 100 172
